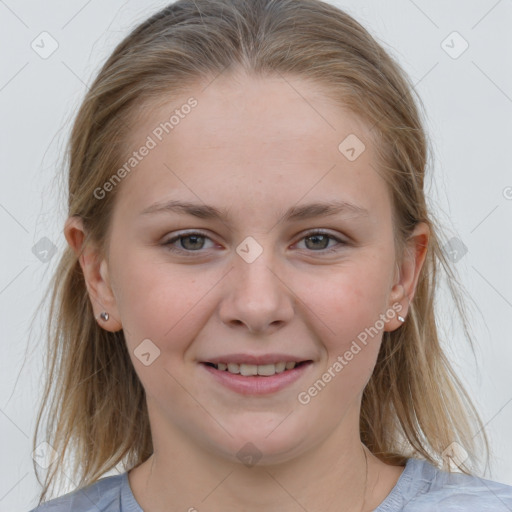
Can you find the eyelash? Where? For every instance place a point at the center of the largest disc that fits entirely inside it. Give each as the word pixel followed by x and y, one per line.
pixel 168 243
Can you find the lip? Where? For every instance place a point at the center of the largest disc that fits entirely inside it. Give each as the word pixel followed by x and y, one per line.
pixel 256 359
pixel 256 384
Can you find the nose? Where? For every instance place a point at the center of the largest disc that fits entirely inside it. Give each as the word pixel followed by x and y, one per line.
pixel 257 295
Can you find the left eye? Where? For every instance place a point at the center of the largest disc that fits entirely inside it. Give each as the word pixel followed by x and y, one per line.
pixel 320 240
pixel 323 238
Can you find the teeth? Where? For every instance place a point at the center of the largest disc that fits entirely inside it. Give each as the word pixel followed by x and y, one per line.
pixel 233 368
pixel 280 367
pixel 247 370
pixel 266 369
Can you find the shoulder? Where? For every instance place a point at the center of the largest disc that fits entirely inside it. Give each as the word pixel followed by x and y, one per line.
pixel 422 487
pixel 108 494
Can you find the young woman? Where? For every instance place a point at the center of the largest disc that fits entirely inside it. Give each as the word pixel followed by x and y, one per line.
pixel 244 318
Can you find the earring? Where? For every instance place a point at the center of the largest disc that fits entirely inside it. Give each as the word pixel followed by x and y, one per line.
pixel 104 316
pixel 401 318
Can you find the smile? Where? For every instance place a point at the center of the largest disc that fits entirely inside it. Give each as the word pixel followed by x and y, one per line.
pixel 252 379
pixel 247 370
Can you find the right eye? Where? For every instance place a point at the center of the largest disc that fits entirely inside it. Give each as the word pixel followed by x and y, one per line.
pixel 195 245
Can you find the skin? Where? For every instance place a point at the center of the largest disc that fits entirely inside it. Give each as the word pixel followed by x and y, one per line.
pixel 256 147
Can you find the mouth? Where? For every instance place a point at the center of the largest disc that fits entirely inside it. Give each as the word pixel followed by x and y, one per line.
pixel 256 379
pixel 262 370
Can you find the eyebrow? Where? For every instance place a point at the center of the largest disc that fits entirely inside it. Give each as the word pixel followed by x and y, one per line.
pixel 295 213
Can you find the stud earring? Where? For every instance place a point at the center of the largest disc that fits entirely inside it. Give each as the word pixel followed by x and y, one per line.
pixel 401 318
pixel 104 316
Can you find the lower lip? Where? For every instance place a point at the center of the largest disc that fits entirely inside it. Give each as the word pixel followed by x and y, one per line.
pixel 256 384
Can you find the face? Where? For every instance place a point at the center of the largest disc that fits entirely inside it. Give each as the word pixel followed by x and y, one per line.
pixel 268 281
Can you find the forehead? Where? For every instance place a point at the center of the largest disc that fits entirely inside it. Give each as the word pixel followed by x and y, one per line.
pixel 253 110
pixel 279 136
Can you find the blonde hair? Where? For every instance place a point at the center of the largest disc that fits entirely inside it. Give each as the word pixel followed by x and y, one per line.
pixel 413 405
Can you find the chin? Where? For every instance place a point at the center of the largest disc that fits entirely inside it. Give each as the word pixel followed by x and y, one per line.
pixel 262 443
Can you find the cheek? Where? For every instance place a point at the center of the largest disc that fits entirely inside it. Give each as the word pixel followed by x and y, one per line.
pixel 348 302
pixel 346 311
pixel 346 314
pixel 160 301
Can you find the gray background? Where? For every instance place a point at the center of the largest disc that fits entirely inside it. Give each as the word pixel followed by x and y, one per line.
pixel 468 103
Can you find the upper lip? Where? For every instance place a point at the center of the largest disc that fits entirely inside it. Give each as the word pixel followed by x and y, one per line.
pixel 257 360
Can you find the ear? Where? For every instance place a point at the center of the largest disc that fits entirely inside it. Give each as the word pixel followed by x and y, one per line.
pixel 406 277
pixel 95 270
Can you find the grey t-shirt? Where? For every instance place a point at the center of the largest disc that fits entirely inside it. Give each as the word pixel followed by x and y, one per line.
pixel 420 488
